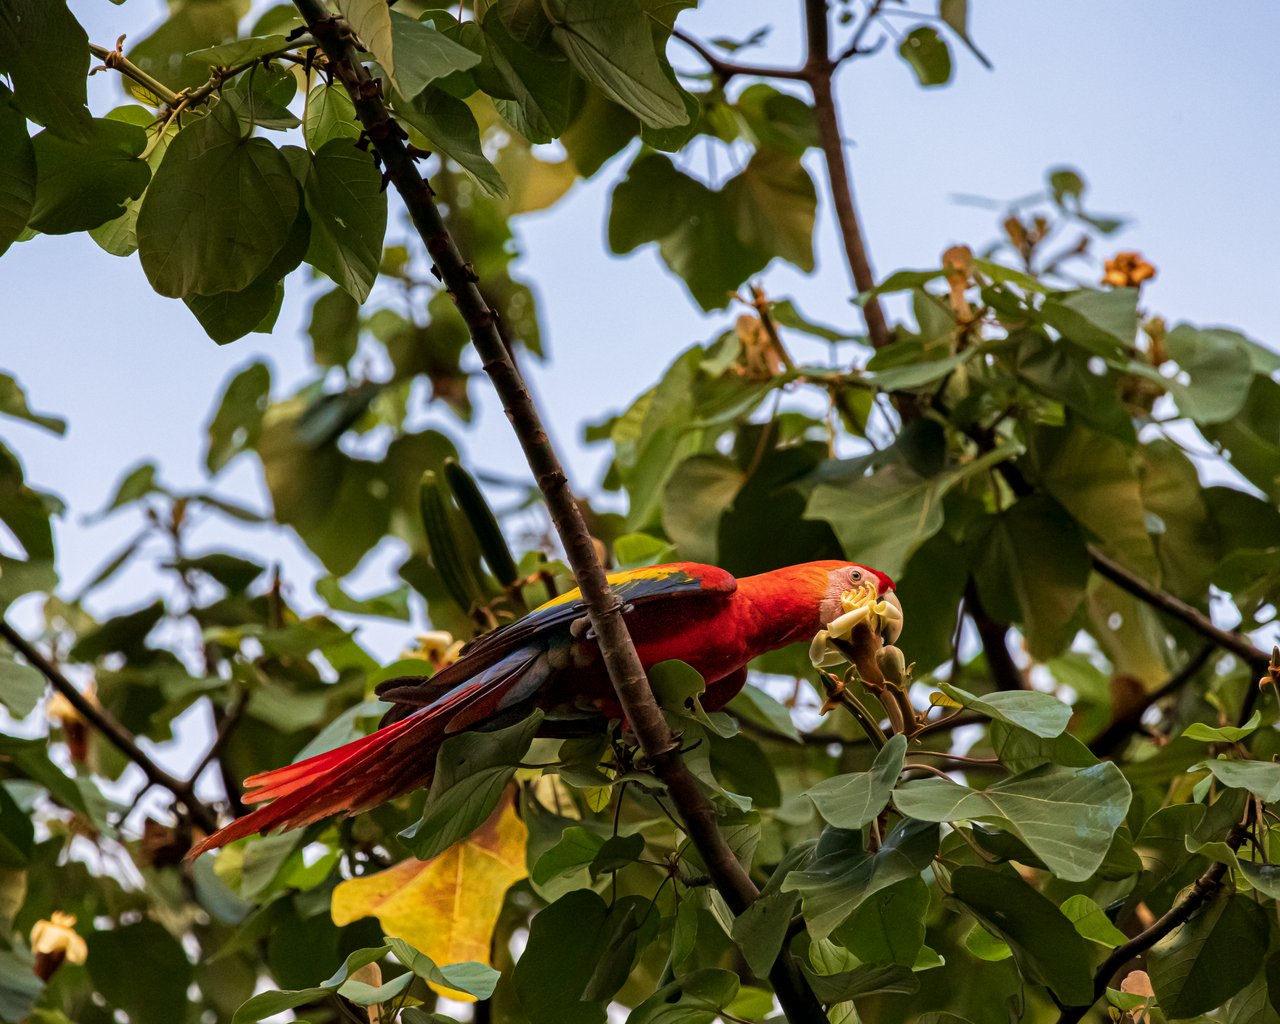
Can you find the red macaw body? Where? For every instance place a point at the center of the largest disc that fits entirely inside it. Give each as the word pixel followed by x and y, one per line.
pixel 694 613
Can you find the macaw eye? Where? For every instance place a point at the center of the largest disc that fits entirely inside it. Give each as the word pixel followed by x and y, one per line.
pixel 856 576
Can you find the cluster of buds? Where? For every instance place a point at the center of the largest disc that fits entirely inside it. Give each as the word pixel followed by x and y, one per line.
pixel 1127 270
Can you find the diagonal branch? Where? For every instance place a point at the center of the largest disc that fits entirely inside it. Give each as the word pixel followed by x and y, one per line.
pixel 115 733
pixel 658 744
pixel 1123 726
pixel 726 69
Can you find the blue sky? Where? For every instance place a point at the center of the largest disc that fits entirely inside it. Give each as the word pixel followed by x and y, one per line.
pixel 1168 109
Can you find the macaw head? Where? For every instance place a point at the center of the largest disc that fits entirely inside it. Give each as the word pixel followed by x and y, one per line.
pixel 856 594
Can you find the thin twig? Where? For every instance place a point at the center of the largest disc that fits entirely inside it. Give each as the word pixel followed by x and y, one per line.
pixel 726 69
pixel 657 742
pixel 115 733
pixel 115 60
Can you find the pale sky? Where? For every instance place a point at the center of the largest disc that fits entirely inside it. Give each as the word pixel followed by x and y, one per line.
pixel 1169 110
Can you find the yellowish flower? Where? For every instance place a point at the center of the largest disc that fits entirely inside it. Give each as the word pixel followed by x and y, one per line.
pixel 59 937
pixel 438 647
pixel 1127 270
pixel 862 605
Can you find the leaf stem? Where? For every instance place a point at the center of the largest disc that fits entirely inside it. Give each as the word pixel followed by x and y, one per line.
pixel 115 60
pixel 657 742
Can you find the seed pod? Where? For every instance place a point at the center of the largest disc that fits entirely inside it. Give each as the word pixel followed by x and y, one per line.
pixel 433 503
pixel 480 517
pixel 893 665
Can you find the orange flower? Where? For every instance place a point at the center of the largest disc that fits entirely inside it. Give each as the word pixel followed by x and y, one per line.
pixel 1127 270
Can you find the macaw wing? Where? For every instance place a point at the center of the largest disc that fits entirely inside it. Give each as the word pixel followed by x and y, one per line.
pixel 549 624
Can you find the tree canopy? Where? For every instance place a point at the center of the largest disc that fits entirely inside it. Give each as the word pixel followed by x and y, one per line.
pixel 1057 799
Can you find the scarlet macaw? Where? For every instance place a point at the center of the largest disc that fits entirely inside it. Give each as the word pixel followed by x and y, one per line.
pixel 696 613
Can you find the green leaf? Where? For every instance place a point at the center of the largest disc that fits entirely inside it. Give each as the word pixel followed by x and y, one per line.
pixel 17 171
pixel 1092 923
pixel 472 770
pixel 1032 566
pixel 1222 734
pixel 371 21
pixel 229 316
pixel 424 54
pixel 854 800
pixel 21 685
pixel 81 185
pixel 843 874
pixel 755 705
pixel 611 45
pixel 119 237
pixel 1220 371
pixel 268 1004
pixel 696 495
pixel 889 927
pixel 234 573
pixel 696 998
pixel 218 210
pixel 863 980
pixel 1047 947
pixel 1261 778
pixel 13 402
pixel 761 930
pixel 956 15
pixel 474 978
pixel 777 119
pixel 450 128
pixel 20 986
pixel 238 421
pixel 329 114
pixel 773 206
pixel 928 55
pixel 1067 816
pixel 1210 958
pixel 242 51
pixel 1104 322
pixel 45 53
pixel 349 216
pixel 1252 438
pixel 541 89
pixel 1041 714
pixel 883 518
pixel 111 955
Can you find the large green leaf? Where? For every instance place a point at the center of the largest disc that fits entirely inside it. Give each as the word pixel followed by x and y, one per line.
pixel 695 497
pixel 1031 568
pixel 424 54
pixel 1219 368
pixel 472 770
pixel 1041 714
pixel 235 425
pixel 449 126
pixel 773 206
pixel 541 88
pixel 348 210
pixel 889 927
pixel 1261 778
pixel 45 53
pixel 329 114
pixel 1067 816
pixel 611 45
pixel 1104 322
pixel 80 185
pixel 883 518
pixel 854 800
pixel 844 874
pixel 697 998
pixel 1252 437
pixel 1210 958
pixel 17 171
pixel 1047 947
pixel 21 686
pixel 218 210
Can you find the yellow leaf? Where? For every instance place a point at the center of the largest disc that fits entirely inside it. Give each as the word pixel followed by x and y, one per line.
pixel 941 700
pixel 446 907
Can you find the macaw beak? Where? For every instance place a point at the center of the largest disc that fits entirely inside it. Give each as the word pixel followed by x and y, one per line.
pixel 892 628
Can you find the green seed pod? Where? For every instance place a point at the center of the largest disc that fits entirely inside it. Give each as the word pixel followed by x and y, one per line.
pixel 433 502
pixel 893 665
pixel 493 546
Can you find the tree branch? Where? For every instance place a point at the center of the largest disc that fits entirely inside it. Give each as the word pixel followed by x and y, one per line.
pixel 115 733
pixel 995 644
pixel 657 742
pixel 727 69
pixel 819 70
pixel 1206 887
pixel 1122 727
